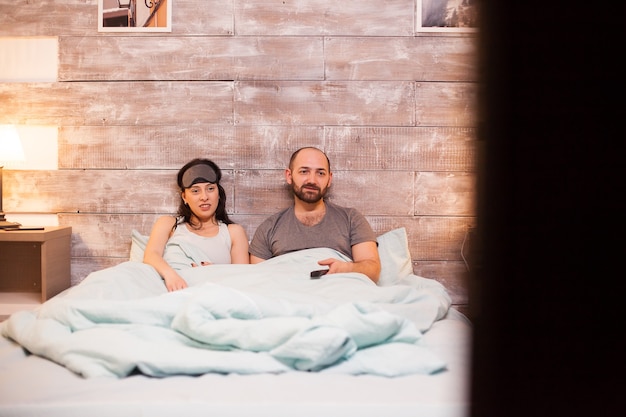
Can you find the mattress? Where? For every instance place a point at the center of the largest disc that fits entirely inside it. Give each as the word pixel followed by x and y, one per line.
pixel 31 385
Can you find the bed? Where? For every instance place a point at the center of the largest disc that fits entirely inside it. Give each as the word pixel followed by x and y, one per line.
pixel 262 340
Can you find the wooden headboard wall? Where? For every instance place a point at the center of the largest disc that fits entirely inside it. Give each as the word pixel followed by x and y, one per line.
pixel 246 82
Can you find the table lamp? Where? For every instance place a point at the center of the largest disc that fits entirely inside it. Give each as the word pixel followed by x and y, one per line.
pixel 10 150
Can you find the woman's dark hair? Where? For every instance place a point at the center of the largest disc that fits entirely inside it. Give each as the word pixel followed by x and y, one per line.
pixel 184 212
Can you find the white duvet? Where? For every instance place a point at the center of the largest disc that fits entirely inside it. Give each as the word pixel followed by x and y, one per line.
pixel 264 318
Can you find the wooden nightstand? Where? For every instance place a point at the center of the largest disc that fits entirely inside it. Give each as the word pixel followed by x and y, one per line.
pixel 34 266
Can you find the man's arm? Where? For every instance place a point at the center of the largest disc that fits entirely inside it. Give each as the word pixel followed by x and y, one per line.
pixel 365 260
pixel 259 248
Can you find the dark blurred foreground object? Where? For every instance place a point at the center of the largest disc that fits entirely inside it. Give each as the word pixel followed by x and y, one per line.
pixel 546 293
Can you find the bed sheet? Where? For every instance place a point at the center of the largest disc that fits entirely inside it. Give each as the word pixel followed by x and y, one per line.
pixel 264 318
pixel 31 385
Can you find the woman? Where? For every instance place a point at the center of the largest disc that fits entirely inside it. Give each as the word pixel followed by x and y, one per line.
pixel 202 226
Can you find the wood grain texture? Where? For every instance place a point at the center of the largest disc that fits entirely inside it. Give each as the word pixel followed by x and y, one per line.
pixel 48 17
pixel 170 147
pixel 446 104
pixel 392 148
pixel 325 103
pixel 431 238
pixel 94 191
pixel 324 17
pixel 433 58
pixel 250 103
pixel 374 192
pixel 118 103
pixel 80 17
pixel 441 149
pixel 146 147
pixel 126 58
pixel 82 267
pixel 102 235
pixel 444 194
pixel 248 191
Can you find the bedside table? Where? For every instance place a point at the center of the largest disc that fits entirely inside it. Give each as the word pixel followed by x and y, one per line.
pixel 34 266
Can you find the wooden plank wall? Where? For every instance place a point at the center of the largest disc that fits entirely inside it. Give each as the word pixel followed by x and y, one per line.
pixel 246 82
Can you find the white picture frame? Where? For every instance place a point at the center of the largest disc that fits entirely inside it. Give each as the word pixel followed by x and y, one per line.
pixel 135 15
pixel 447 16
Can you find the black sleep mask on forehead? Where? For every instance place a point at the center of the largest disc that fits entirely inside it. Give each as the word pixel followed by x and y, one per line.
pixel 199 173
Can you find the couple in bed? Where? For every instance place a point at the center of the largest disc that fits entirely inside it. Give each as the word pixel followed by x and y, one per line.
pixel 311 222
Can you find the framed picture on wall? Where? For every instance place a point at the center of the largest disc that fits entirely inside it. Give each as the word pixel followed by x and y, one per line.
pixel 135 15
pixel 447 15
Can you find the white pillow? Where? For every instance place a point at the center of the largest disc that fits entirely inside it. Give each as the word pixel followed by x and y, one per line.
pixel 395 258
pixel 137 246
pixel 393 249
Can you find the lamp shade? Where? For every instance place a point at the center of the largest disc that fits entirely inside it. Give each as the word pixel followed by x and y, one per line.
pixel 10 144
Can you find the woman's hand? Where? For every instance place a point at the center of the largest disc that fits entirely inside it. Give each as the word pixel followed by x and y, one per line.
pixel 175 283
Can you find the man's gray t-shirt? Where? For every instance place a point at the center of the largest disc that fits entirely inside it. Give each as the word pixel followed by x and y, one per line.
pixel 340 229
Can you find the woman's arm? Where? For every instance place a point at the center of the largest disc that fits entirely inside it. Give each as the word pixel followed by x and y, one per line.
pixel 239 248
pixel 153 255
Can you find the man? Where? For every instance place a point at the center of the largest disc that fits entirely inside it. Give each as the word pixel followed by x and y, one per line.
pixel 313 223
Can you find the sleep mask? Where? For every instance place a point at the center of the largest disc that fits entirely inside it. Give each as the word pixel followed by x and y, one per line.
pixel 199 173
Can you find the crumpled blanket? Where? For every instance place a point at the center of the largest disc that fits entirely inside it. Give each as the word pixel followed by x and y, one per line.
pixel 268 317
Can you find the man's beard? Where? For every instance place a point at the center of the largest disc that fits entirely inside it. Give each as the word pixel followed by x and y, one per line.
pixel 309 195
